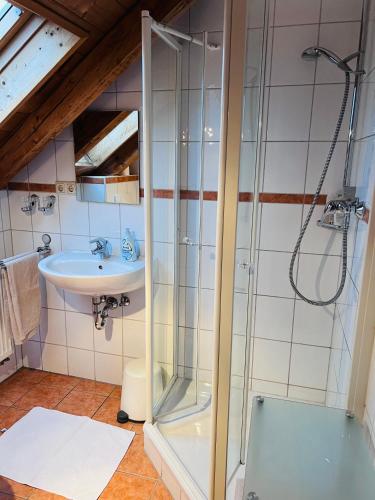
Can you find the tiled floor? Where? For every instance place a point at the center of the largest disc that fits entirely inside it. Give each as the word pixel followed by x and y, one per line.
pixel 135 478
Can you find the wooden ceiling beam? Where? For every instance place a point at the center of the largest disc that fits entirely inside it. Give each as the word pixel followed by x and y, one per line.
pixel 100 68
pixel 57 14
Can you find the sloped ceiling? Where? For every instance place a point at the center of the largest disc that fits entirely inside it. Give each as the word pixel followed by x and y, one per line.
pixel 111 41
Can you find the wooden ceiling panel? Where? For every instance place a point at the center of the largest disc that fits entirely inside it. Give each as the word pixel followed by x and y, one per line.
pixel 103 14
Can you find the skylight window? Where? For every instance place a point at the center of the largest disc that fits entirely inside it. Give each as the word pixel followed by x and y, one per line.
pixel 31 49
pixel 10 16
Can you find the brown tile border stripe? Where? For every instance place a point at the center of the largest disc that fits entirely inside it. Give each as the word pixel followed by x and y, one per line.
pixel 289 198
pixel 298 199
pixel 244 196
pixel 32 186
pixel 188 194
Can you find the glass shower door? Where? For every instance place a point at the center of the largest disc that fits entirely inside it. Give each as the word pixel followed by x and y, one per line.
pixel 161 125
pixel 177 205
pixel 246 233
pixel 175 217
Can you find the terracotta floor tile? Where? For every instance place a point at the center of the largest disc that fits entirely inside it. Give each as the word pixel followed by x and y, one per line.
pixel 41 395
pixel 81 403
pixel 9 416
pixel 136 461
pixel 58 380
pixel 137 428
pixel 116 393
pixel 107 413
pixel 160 492
pixel 127 487
pixel 14 489
pixel 29 375
pixel 45 495
pixel 11 390
pixel 101 388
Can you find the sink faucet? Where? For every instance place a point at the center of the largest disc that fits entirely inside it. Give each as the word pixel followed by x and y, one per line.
pixel 103 248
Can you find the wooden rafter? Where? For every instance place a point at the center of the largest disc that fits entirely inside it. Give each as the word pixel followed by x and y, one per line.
pixel 58 15
pixel 99 69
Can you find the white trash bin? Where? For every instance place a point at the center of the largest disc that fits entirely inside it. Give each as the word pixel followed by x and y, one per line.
pixel 133 394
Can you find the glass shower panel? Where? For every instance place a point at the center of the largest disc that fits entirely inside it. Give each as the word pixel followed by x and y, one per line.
pixel 166 87
pixel 184 221
pixel 246 232
pixel 184 415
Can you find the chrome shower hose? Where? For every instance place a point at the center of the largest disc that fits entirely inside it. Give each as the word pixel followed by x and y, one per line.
pixel 344 253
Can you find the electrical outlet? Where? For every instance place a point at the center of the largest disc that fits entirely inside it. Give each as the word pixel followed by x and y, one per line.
pixel 60 187
pixel 70 187
pixel 65 187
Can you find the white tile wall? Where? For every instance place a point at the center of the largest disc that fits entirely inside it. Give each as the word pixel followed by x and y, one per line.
pixel 287 65
pixel 304 101
pixel 309 366
pixel 294 12
pixel 275 326
pixel 271 360
pixel 285 167
pixel 289 113
pixel 341 10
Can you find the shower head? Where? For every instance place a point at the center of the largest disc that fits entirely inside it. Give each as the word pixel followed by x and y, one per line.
pixel 313 53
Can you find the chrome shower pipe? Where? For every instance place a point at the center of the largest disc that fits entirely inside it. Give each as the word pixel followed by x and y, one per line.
pixel 355 100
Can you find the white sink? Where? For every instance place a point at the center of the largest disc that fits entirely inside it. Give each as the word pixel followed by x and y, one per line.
pixel 87 274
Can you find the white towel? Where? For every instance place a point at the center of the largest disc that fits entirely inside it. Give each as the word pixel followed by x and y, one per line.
pixel 6 342
pixel 22 296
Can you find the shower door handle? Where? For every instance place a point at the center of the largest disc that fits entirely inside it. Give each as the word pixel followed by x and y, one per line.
pixel 188 242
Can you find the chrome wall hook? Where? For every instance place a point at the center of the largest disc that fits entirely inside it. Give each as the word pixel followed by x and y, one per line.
pixel 31 201
pixel 49 203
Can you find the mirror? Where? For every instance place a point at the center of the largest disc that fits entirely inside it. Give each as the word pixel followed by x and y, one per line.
pixel 106 149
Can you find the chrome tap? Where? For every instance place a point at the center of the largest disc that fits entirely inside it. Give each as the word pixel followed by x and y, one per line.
pixel 103 248
pixel 337 212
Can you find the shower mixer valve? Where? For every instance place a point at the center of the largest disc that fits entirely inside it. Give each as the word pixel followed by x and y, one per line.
pixel 337 212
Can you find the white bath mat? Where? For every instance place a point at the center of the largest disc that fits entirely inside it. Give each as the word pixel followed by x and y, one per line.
pixel 64 454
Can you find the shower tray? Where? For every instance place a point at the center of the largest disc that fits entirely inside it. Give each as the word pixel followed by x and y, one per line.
pixel 300 451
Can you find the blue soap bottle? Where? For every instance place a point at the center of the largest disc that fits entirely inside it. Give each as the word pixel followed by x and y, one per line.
pixel 129 247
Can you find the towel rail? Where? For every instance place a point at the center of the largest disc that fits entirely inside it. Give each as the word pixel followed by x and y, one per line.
pixel 42 250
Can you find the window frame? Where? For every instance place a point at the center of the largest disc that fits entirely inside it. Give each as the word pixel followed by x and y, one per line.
pixel 15 25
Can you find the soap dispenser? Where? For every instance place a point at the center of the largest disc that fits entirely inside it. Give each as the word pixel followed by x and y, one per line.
pixel 129 246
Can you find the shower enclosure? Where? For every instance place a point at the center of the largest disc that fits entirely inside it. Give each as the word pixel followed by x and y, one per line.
pixel 223 322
